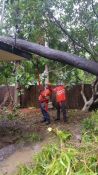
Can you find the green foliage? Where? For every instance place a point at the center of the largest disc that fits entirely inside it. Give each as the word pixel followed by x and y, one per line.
pixel 34 23
pixel 32 137
pixel 90 128
pixel 12 116
pixel 51 162
pixel 8 115
pixel 54 161
pixel 57 159
pixel 91 124
pixel 62 135
pixel 25 74
pixel 6 76
pixel 69 161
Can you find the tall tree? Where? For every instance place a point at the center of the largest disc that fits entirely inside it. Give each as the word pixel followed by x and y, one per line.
pixel 69 25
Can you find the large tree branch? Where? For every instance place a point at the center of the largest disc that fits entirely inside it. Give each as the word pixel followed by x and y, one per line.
pixel 2 14
pixel 88 103
pixel 82 93
pixel 90 39
pixel 94 9
pixel 51 54
pixel 53 19
pixel 94 90
pixel 96 86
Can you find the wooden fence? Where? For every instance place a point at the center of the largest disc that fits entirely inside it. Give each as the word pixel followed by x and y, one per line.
pixel 30 96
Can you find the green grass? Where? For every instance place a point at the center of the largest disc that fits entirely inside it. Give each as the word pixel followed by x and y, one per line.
pixel 5 114
pixel 32 137
pixel 90 128
pixel 64 158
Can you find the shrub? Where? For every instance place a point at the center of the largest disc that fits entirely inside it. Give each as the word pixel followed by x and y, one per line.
pixel 90 128
pixel 32 137
pixel 67 160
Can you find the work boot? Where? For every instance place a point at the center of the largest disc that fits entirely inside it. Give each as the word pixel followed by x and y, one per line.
pixel 48 122
pixel 44 120
pixel 65 120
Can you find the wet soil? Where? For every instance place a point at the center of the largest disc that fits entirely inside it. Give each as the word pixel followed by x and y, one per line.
pixel 14 146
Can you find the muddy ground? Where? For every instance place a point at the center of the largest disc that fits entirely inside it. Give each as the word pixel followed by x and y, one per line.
pixel 16 129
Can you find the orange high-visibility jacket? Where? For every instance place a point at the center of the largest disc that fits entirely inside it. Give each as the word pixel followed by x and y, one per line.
pixel 44 95
pixel 60 93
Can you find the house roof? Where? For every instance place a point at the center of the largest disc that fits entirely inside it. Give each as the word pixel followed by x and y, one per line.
pixel 7 56
pixel 10 53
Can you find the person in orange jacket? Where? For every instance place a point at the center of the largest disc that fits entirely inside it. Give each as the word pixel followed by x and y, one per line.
pixel 43 100
pixel 61 99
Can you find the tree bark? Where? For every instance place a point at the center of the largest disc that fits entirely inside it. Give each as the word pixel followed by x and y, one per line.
pixel 92 103
pixel 46 72
pixel 64 57
pixel 16 90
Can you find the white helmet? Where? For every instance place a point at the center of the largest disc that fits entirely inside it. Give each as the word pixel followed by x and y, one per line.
pixel 60 82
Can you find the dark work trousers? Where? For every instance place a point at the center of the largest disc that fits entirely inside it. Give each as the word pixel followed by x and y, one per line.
pixel 61 107
pixel 46 116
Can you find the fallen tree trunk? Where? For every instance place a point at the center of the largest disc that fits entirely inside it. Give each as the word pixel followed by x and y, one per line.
pixel 64 57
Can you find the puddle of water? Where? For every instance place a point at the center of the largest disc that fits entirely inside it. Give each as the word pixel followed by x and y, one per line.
pixel 14 155
pixel 8 150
